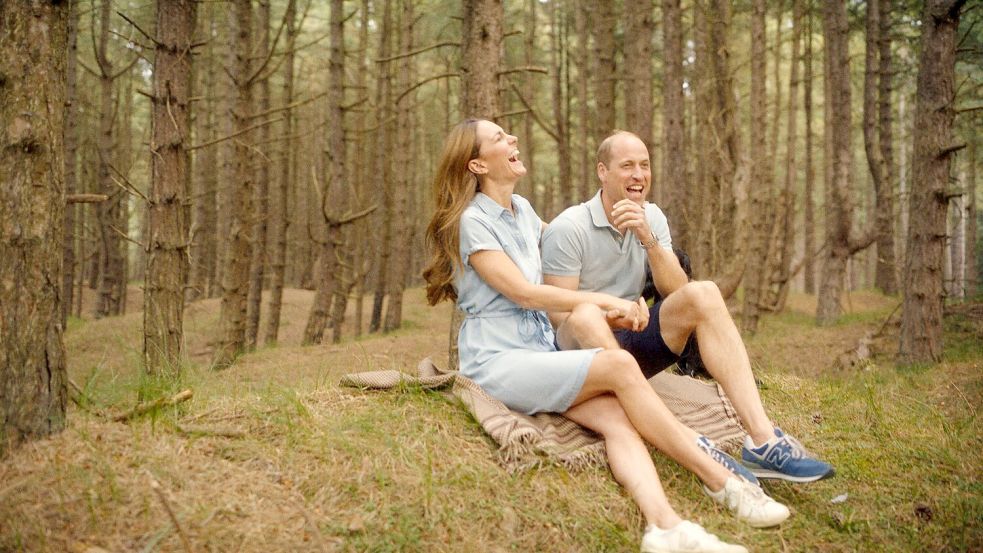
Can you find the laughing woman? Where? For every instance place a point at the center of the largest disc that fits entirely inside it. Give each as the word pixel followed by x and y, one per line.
pixel 484 243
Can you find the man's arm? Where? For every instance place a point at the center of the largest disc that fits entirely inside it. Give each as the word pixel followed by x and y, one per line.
pixel 667 275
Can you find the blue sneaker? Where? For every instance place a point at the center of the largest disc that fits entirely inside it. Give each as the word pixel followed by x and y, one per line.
pixel 729 463
pixel 784 457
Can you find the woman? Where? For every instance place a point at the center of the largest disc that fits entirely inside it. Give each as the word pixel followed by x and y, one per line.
pixel 485 255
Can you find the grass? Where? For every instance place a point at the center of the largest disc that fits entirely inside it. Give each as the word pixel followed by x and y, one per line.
pixel 317 467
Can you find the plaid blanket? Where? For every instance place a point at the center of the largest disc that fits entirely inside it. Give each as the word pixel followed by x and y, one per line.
pixel 526 441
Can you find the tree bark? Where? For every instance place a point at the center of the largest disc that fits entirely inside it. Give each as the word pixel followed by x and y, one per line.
pixel 603 25
pixel 33 379
pixel 972 263
pixel 886 277
pixel 481 57
pixel 760 197
pixel 808 193
pixel 674 158
pixel 111 278
pixel 261 190
pixel 639 103
pixel 235 275
pixel 839 207
pixel 71 160
pixel 279 195
pixel 921 312
pixel 167 242
pixel 383 167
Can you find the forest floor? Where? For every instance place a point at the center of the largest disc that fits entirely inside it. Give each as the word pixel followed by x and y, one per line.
pixel 273 455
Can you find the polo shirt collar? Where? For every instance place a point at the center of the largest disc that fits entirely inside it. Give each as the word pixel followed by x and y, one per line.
pixel 597 215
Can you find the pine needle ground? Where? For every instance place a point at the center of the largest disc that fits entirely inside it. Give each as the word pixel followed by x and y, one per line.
pixel 272 455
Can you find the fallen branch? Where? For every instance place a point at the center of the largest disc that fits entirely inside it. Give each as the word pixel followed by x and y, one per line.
pixel 148 406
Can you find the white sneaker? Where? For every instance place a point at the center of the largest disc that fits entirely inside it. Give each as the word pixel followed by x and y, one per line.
pixel 749 503
pixel 685 537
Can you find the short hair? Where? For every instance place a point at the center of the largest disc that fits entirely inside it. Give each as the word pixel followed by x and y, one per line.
pixel 604 149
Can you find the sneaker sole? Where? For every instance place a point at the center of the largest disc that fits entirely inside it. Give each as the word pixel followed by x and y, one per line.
pixel 775 475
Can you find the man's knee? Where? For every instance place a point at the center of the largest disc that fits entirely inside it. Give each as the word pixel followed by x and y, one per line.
pixel 585 315
pixel 703 296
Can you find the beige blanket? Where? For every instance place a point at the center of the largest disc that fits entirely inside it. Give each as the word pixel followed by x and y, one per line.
pixel 525 441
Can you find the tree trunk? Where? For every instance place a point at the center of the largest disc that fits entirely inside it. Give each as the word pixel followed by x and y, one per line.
pixel 808 193
pixel 565 188
pixel 33 379
pixel 71 159
pixel 167 242
pixel 972 263
pixel 235 274
pixel 760 197
pixel 403 172
pixel 839 207
pixel 279 195
pixel 261 190
pixel 335 194
pixel 886 277
pixel 481 52
pixel 603 26
pixel 884 216
pixel 111 254
pixel 205 169
pixel 674 156
pixel 586 181
pixel 921 312
pixel 383 166
pixel 639 104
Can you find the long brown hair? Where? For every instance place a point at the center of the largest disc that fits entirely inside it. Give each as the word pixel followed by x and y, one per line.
pixel 454 186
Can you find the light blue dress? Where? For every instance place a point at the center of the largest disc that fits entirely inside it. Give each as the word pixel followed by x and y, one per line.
pixel 507 350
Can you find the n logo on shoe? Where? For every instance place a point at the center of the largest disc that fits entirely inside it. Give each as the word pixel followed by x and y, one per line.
pixel 778 456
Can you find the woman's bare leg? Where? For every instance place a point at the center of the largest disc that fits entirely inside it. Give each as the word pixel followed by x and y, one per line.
pixel 615 373
pixel 628 457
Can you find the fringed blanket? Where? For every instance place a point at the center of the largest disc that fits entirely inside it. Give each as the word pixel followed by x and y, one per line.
pixel 525 441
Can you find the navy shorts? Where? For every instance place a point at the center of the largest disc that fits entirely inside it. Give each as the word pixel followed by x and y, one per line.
pixel 647 346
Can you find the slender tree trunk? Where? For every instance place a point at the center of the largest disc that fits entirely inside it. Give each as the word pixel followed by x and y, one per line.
pixel 261 190
pixel 335 196
pixel 886 277
pixel 972 263
pixel 921 312
pixel 639 104
pixel 71 159
pixel 481 52
pixel 603 26
pixel 279 195
pixel 235 275
pixel 884 216
pixel 111 257
pixel 33 379
pixel 839 208
pixel 167 242
pixel 760 189
pixel 205 168
pixel 808 193
pixel 529 81
pixel 565 187
pixel 674 156
pixel 586 181
pixel 402 170
pixel 383 166
pixel 361 263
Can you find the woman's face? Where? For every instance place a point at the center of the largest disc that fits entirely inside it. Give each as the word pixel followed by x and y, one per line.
pixel 498 156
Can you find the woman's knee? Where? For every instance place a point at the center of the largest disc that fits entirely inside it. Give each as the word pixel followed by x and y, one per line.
pixel 585 315
pixel 619 368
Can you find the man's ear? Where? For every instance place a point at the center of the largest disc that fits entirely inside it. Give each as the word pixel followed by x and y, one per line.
pixel 477 167
pixel 602 170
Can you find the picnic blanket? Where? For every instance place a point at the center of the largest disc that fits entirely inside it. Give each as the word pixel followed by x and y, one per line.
pixel 525 441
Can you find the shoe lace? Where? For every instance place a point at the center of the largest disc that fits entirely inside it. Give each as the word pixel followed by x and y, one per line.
pixel 797 450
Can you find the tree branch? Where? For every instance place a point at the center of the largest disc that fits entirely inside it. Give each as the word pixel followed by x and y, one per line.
pixel 953 148
pixel 141 31
pixel 525 68
pixel 419 51
pixel 423 82
pixel 535 116
pixel 233 135
pixel 85 198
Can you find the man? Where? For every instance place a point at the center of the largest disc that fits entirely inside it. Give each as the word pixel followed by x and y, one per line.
pixel 605 245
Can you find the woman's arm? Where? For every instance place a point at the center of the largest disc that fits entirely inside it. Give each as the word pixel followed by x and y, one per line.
pixel 500 272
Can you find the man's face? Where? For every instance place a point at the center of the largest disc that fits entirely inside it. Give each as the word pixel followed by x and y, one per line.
pixel 628 174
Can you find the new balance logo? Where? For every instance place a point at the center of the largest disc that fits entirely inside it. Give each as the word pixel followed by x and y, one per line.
pixel 778 456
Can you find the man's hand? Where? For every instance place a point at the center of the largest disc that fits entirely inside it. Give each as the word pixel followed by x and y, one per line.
pixel 628 215
pixel 637 320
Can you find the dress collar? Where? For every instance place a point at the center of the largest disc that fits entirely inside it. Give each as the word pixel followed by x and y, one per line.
pixel 490 206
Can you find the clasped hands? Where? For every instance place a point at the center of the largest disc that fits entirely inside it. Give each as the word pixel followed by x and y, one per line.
pixel 631 316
